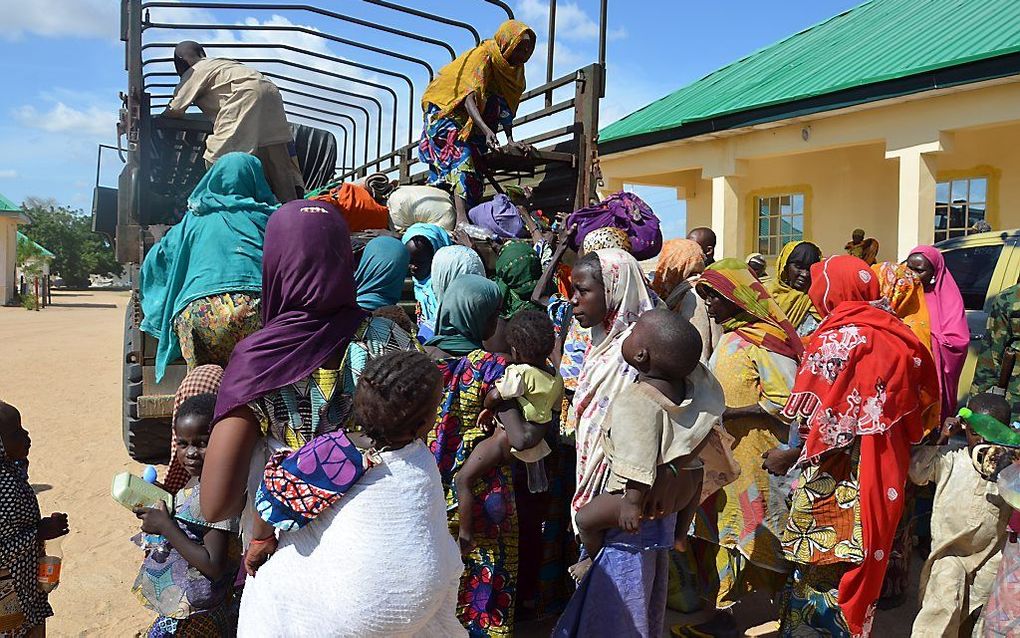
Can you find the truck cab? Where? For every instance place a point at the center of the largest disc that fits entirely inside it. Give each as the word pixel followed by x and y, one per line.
pixel 351 85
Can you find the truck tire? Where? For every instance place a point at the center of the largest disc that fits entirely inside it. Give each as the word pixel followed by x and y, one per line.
pixel 146 440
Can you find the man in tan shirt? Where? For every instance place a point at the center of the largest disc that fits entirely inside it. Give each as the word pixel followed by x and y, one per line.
pixel 247 114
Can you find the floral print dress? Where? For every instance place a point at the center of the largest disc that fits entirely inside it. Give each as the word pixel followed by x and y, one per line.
pixel 488 587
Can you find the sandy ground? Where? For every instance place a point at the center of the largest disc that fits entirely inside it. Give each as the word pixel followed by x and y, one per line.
pixel 61 368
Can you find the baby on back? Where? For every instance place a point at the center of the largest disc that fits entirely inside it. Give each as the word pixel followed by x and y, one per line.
pixel 661 422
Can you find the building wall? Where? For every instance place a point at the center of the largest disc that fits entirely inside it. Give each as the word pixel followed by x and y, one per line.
pixel 841 159
pixel 993 152
pixel 8 258
pixel 845 189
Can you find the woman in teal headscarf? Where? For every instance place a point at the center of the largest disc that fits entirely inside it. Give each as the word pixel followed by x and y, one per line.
pixel 381 272
pixel 200 285
pixel 488 587
pixel 518 270
pixel 423 241
pixel 466 315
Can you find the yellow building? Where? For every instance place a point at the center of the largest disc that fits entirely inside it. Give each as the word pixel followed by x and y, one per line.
pixel 10 217
pixel 901 117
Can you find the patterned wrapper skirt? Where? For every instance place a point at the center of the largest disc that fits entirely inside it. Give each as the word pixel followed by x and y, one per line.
pixel 210 327
pixel 453 162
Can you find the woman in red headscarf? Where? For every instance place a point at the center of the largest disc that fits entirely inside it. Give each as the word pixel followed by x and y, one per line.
pixel 866 390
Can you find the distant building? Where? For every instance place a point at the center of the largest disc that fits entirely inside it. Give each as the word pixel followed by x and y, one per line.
pixel 42 262
pixel 899 117
pixel 10 217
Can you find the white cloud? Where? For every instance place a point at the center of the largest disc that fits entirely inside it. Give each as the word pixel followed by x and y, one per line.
pixel 92 121
pixel 572 22
pixel 60 18
pixel 8 173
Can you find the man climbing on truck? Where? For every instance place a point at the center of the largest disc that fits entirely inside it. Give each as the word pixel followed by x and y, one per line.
pixel 246 111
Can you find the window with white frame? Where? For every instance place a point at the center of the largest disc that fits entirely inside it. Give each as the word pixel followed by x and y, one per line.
pixel 959 205
pixel 780 220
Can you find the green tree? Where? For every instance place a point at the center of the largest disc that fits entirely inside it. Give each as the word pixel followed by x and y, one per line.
pixel 67 233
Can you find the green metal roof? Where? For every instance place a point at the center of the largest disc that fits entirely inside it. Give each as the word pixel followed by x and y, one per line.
pixel 7 206
pixel 23 238
pixel 877 41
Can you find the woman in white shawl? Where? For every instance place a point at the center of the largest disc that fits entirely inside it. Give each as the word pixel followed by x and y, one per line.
pixel 625 592
pixel 383 551
pixel 609 296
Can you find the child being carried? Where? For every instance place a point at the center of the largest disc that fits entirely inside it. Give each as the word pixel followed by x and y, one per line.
pixel 663 420
pixel 538 390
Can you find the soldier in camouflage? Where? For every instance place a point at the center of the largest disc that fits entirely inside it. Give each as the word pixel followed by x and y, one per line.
pixel 1003 332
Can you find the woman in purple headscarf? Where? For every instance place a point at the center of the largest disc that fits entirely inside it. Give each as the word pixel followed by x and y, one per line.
pixel 290 385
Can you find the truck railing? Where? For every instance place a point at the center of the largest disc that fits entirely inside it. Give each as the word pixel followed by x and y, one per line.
pixel 574 142
pixel 142 9
pixel 354 133
pixel 319 77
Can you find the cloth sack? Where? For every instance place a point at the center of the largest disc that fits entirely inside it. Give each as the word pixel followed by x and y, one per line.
pixel 499 216
pixel 621 210
pixel 409 205
pixel 357 206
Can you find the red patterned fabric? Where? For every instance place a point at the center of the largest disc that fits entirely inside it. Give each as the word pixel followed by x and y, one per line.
pixel 864 374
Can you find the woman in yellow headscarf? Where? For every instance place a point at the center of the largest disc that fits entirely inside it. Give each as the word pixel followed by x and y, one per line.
pixel 466 103
pixel 790 285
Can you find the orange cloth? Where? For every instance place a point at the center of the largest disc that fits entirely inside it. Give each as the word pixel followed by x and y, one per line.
pixel 563 286
pixel 360 210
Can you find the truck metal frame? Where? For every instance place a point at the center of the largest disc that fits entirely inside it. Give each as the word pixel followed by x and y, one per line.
pixel 361 115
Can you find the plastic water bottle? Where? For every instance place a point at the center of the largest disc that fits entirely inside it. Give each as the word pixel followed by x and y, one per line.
pixel 49 565
pixel 537 479
pixel 1009 485
pixel 990 428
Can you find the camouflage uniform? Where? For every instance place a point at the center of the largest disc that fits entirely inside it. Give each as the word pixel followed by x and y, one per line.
pixel 1003 331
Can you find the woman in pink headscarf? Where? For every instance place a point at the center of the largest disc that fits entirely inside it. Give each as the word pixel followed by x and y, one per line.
pixel 949 333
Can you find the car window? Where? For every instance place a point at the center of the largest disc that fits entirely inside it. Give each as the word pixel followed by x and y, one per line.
pixel 972 268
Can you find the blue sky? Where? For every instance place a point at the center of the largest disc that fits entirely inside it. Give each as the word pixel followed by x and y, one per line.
pixel 61 62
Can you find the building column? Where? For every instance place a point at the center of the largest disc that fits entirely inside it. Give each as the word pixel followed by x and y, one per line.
pixel 726 216
pixel 916 213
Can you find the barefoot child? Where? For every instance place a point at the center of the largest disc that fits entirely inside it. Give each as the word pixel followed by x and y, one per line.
pixel 663 419
pixel 538 390
pixel 189 586
pixel 22 532
pixel 968 528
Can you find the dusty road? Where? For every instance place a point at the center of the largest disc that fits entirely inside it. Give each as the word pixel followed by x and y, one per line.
pixel 61 368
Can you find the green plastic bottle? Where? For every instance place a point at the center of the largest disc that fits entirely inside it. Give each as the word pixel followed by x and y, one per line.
pixel 990 429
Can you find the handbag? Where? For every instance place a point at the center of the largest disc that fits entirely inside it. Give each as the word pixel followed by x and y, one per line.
pixel 621 210
pixel 12 616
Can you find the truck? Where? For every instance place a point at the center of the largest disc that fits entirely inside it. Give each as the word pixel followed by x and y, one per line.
pixel 351 85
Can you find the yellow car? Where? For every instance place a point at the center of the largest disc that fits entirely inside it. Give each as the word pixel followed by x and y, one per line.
pixel 983 265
